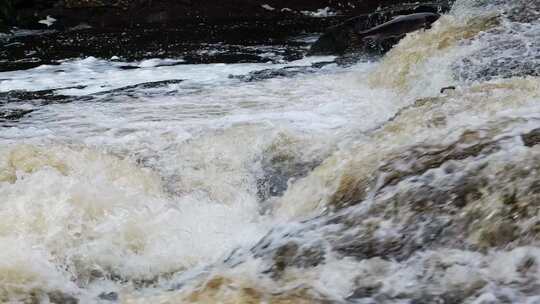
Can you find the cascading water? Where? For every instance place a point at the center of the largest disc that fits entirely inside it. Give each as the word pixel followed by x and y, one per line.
pixel 363 184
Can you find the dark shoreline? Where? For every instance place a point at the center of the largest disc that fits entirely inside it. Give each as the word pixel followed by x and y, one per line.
pixel 224 41
pixel 227 31
pixel 122 14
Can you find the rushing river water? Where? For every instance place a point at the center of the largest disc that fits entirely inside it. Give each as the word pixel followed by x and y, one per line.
pixel 166 182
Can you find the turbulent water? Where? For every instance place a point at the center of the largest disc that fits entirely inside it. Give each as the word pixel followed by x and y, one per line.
pixel 166 182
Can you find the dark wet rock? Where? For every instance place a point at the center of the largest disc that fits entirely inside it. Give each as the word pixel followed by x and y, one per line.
pixel 292 255
pixel 129 67
pixel 365 291
pixel 58 297
pixel 531 138
pixel 43 96
pixel 286 72
pixel 17 104
pixel 353 57
pixel 366 245
pixel 456 297
pixel 109 296
pixel 19 64
pixel 138 89
pixel 283 256
pixel 275 73
pixel 222 41
pixel 13 114
pixel 132 13
pixel 417 162
pixel 322 64
pixel 342 38
pixel 278 169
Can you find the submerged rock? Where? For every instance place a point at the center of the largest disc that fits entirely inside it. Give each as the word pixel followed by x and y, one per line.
pixel 138 89
pixel 461 196
pixel 13 115
pixel 283 162
pixel 58 297
pixel 504 54
pixel 508 50
pixel 228 290
pixel 456 196
pixel 276 73
pixel 44 96
pixel 531 138
pixel 109 296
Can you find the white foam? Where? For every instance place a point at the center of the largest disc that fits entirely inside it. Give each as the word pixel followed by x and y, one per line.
pixel 321 13
pixel 101 75
pixel 49 21
pixel 268 7
pixel 94 212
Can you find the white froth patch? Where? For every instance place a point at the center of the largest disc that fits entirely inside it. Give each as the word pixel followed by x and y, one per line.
pixel 150 63
pixel 321 13
pixel 331 103
pixel 94 212
pixel 268 7
pixel 337 277
pixel 49 21
pixel 92 75
pixel 27 268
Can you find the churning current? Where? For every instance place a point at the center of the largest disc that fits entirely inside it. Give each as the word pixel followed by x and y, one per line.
pixel 185 183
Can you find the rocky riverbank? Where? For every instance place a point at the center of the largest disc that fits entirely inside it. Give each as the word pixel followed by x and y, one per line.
pixel 136 30
pixel 167 13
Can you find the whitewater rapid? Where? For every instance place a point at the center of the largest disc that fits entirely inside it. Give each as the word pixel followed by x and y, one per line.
pixel 361 184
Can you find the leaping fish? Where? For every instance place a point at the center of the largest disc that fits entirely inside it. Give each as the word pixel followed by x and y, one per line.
pixel 399 26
